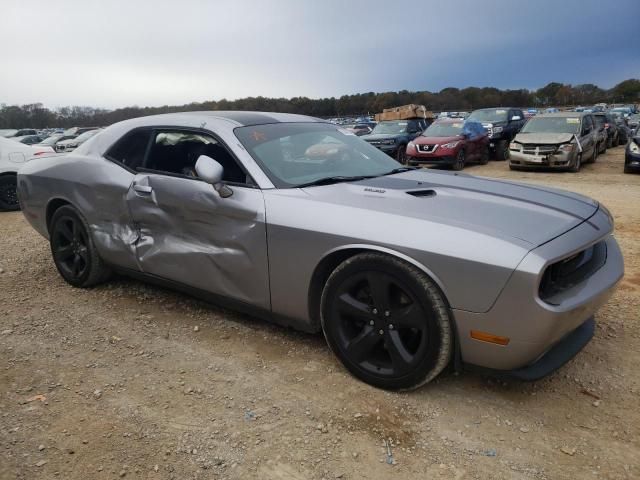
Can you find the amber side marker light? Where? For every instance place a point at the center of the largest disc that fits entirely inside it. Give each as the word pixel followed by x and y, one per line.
pixel 489 337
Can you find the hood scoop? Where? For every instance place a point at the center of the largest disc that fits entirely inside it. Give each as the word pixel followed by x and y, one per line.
pixel 423 193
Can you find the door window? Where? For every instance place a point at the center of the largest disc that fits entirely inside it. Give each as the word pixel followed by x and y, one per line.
pixel 176 152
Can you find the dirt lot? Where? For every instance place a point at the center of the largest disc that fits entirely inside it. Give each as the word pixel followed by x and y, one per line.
pixel 132 381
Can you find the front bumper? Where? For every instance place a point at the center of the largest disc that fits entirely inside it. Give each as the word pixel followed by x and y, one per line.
pixel 388 149
pixel 555 160
pixel 532 325
pixel 552 360
pixel 427 159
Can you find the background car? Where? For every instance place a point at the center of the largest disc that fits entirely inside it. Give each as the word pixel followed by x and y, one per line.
pixel 65 146
pixel 359 129
pixel 7 132
pixel 53 139
pixel 28 139
pixel 392 136
pixel 602 136
pixel 502 124
pixel 632 154
pixel 610 128
pixel 450 142
pixel 633 121
pixel 12 156
pixel 555 140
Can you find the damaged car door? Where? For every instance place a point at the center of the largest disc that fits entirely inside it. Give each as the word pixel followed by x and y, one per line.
pixel 187 232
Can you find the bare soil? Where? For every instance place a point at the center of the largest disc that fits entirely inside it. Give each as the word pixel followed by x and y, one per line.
pixel 128 380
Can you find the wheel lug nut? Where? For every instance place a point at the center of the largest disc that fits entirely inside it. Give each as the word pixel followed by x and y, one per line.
pixel 387 313
pixel 371 322
pixel 391 326
pixel 375 311
pixel 381 331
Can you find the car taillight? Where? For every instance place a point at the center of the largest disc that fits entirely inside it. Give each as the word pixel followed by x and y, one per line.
pixel 40 153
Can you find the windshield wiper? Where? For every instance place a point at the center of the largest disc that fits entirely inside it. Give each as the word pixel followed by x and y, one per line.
pixel 399 170
pixel 335 179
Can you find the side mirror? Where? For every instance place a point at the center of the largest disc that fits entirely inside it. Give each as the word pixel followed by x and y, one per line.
pixel 515 118
pixel 211 172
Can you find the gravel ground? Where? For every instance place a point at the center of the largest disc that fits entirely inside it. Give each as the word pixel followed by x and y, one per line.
pixel 128 380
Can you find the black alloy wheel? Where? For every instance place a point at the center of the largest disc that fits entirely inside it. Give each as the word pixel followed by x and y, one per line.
pixel 390 330
pixel 69 245
pixel 8 193
pixel 74 253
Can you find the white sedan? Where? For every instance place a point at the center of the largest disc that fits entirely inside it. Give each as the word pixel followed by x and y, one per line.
pixel 12 156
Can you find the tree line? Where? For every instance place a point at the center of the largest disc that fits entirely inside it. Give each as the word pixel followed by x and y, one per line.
pixel 449 99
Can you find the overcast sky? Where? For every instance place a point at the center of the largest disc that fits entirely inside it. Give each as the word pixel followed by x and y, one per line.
pixel 114 53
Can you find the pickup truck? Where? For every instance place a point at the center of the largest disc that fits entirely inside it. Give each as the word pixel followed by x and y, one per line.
pixel 392 136
pixel 502 124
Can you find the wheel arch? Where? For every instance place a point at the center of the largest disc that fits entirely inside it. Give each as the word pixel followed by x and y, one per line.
pixel 330 261
pixel 53 205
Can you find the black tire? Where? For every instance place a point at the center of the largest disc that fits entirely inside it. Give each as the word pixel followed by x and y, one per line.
pixel 610 142
pixel 627 169
pixel 363 297
pixel 401 154
pixel 575 168
pixel 458 163
pixel 73 250
pixel 502 150
pixel 484 157
pixel 8 193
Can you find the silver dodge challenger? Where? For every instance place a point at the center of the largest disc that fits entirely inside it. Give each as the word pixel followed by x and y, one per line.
pixel 405 271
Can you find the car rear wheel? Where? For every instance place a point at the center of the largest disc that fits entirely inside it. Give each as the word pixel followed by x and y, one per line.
pixel 8 193
pixel 502 150
pixel 386 321
pixel 73 250
pixel 458 163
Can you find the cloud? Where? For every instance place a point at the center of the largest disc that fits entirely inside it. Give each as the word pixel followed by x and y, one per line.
pixel 118 53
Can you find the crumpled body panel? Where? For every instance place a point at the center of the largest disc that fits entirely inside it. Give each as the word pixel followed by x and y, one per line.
pixel 189 234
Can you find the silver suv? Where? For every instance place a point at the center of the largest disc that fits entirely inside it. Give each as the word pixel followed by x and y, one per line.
pixel 561 140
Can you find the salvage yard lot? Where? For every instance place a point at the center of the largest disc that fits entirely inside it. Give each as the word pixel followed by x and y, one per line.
pixel 132 380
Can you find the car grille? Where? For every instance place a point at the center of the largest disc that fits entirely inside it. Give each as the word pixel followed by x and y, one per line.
pixel 571 271
pixel 374 142
pixel 532 149
pixel 427 148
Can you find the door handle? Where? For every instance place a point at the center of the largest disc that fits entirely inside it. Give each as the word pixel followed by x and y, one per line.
pixel 142 188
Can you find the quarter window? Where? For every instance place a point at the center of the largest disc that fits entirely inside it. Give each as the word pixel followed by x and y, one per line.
pixel 131 149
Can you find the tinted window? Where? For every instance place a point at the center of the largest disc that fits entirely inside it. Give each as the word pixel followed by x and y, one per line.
pixel 587 122
pixel 131 149
pixel 178 151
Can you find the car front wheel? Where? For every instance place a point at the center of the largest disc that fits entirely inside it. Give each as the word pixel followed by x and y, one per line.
pixel 502 150
pixel 401 154
pixel 8 193
pixel 386 321
pixel 73 250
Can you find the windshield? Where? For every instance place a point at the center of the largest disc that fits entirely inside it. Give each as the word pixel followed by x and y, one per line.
pixel 390 127
pixel 552 125
pixel 86 135
pixel 444 129
pixel 492 115
pixel 293 154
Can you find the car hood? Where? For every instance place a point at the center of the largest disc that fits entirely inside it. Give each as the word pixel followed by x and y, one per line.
pixel 436 140
pixel 381 136
pixel 544 138
pixel 525 214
